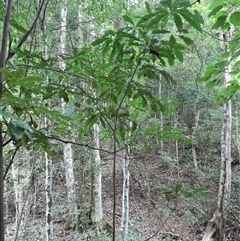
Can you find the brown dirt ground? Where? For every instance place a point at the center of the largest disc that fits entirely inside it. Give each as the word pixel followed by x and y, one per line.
pixel 157 210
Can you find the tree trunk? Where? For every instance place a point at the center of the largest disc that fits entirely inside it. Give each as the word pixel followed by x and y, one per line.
pixel 49 231
pixel 96 204
pixel 48 161
pixel 218 223
pixel 224 193
pixel 194 153
pixel 97 213
pixel 125 195
pixel 67 148
pixel 161 114
pixel 3 51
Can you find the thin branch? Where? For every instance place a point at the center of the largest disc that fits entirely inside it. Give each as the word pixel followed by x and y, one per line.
pixel 211 35
pixel 7 142
pixel 80 144
pixel 10 163
pixel 26 35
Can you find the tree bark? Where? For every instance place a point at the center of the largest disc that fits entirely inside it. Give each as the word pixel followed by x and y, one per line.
pixel 48 161
pixel 224 193
pixel 97 213
pixel 67 148
pixel 2 65
pixel 125 195
pixel 218 223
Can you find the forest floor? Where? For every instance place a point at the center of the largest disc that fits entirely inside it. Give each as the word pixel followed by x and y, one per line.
pixel 167 202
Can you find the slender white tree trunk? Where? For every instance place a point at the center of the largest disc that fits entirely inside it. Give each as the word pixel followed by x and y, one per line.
pixel 49 223
pixel 194 153
pixel 67 148
pixel 96 209
pixel 218 222
pixel 224 192
pixel 48 181
pixel 97 213
pixel 125 195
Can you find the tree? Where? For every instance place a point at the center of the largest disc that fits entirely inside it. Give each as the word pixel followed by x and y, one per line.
pixel 2 65
pixel 226 22
pixel 67 148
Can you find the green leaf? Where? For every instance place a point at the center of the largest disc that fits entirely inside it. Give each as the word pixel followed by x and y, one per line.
pixel 178 21
pixel 103 123
pixel 122 131
pixel 215 10
pixel 160 31
pixel 152 203
pixel 181 3
pixel 90 122
pixel 220 22
pixel 216 4
pixel 156 20
pixel 198 17
pixel 63 94
pixel 19 73
pixel 16 130
pixel 192 211
pixel 8 75
pixel 167 3
pixel 235 19
pixel 171 61
pixel 203 79
pixel 178 54
pixel 211 84
pixel 186 40
pixel 167 76
pixel 191 19
pixel 148 7
pixel 177 188
pixel 105 48
pixel 168 195
pixel 188 194
pixel 19 27
pixel 99 41
pixel 226 26
pixel 154 107
pixel 128 19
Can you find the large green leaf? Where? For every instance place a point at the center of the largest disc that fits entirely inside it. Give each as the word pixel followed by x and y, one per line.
pixel 181 4
pixel 191 19
pixel 128 19
pixel 178 54
pixel 147 5
pixel 18 26
pixel 215 4
pixel 235 19
pixel 178 21
pixel 99 40
pixel 220 22
pixel 16 130
pixel 215 10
